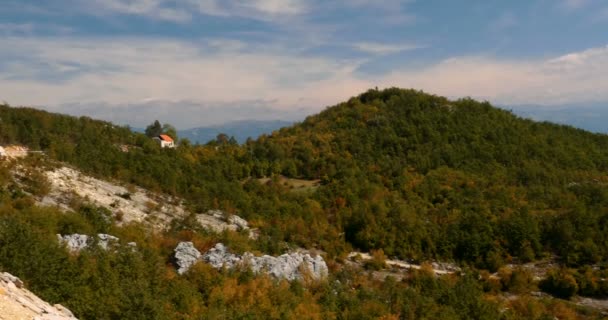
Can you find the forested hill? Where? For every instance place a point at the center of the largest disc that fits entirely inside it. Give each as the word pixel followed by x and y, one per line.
pixel 416 175
pixel 395 129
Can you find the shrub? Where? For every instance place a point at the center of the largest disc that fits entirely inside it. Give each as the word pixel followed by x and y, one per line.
pixel 560 283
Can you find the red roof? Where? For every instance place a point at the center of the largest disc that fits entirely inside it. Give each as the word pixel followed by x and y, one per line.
pixel 165 137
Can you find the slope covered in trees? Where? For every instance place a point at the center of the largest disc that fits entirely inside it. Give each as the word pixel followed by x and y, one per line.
pixel 421 176
pixel 415 175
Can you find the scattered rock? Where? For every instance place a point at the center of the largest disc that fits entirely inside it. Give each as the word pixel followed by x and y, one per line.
pixel 186 256
pixel 77 242
pixel 105 240
pixel 439 268
pixel 74 242
pixel 239 222
pixel 218 221
pixel 289 266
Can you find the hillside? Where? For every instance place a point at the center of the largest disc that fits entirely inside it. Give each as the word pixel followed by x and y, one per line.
pixel 418 175
pixel 399 173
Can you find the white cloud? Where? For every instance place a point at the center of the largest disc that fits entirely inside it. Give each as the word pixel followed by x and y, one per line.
pixel 125 73
pixel 182 11
pixel 158 9
pixel 576 77
pixel 64 71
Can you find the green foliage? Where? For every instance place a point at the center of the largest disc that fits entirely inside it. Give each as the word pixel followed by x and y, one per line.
pixel 154 129
pixel 415 175
pixel 402 173
pixel 560 283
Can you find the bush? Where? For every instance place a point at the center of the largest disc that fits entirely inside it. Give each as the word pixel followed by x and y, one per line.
pixel 560 283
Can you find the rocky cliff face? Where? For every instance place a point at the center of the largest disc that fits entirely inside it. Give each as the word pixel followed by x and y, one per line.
pixel 16 302
pixel 289 266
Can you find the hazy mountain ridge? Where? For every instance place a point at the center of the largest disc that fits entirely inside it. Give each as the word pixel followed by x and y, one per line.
pixel 240 130
pixel 591 117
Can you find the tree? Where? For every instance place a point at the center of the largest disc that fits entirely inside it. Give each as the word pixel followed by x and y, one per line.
pixel 170 131
pixel 154 129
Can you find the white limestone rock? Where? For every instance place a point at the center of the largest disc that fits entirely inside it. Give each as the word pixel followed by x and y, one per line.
pixel 16 302
pixel 291 266
pixel 77 242
pixel 74 242
pixel 186 255
pixel 239 222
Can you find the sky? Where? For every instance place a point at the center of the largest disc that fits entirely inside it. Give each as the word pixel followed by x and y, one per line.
pixel 202 62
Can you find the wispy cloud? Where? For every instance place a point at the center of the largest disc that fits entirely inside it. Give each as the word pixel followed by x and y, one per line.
pixel 573 4
pixel 384 48
pixel 183 11
pixel 156 9
pixel 571 78
pixel 113 74
pixel 123 71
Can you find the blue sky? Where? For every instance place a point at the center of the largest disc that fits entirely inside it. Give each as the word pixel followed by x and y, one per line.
pixel 200 62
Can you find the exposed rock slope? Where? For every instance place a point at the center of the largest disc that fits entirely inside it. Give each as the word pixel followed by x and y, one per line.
pixel 129 204
pixel 18 303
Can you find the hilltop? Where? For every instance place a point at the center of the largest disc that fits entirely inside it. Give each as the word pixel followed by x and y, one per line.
pixel 408 176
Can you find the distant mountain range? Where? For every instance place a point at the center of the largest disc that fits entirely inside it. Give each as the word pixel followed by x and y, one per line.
pixel 241 130
pixel 591 117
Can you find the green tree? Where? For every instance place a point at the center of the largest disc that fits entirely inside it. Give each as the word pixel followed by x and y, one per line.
pixel 170 131
pixel 154 129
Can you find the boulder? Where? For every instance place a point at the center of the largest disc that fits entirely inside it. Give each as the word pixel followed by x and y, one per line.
pixel 186 256
pixel 74 242
pixel 239 222
pixel 218 221
pixel 105 240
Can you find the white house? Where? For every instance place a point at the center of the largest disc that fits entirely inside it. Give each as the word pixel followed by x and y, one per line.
pixel 165 141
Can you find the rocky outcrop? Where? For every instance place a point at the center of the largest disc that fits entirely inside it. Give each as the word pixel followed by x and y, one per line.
pixel 291 266
pixel 16 302
pixel 240 223
pixel 128 204
pixel 186 255
pixel 74 242
pixel 218 221
pixel 77 242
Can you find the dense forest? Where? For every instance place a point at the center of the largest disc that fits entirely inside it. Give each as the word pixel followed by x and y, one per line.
pixel 408 174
